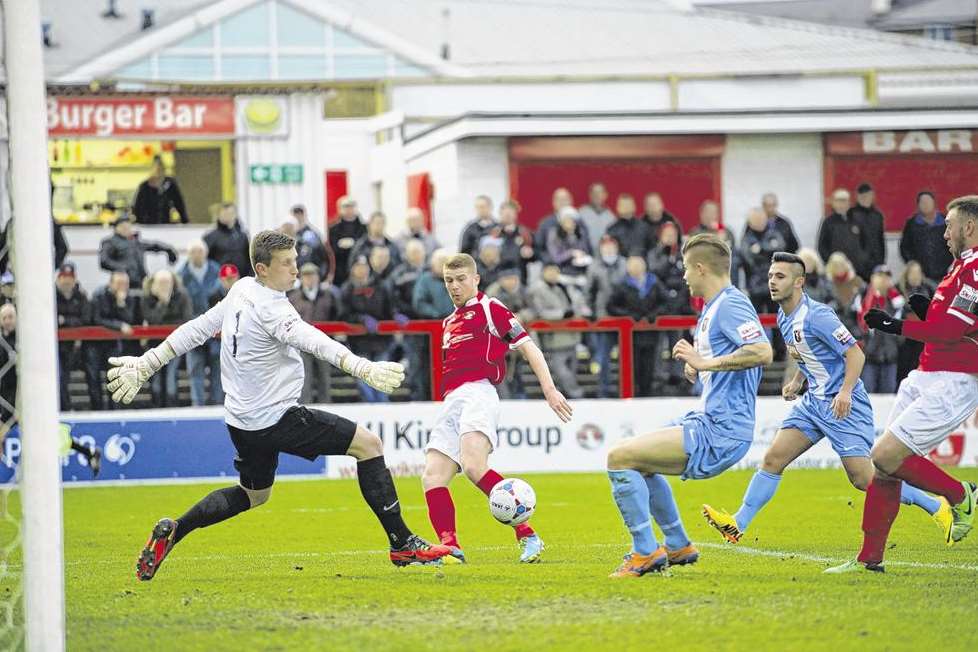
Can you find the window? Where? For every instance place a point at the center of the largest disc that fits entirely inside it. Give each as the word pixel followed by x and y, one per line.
pixel 185 67
pixel 248 29
pixel 301 67
pixel 939 32
pixel 370 66
pixel 298 29
pixel 245 67
pixel 202 39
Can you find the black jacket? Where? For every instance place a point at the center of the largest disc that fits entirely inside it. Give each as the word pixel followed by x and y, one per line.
pixel 925 243
pixel 230 246
pixel 6 236
pixel 783 225
pixel 843 233
pixel 177 311
pixel 756 249
pixel 634 236
pixel 323 307
pixel 152 205
pixel 362 302
pixel 627 301
pixel 655 227
pixel 119 254
pixel 343 235
pixel 667 264
pixel 402 281
pixel 310 248
pixel 105 311
pixel 75 310
pixel 471 234
pixel 874 231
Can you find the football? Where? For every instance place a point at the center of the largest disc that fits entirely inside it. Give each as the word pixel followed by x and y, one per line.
pixel 512 501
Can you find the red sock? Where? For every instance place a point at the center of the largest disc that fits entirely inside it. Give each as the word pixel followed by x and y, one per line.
pixel 441 513
pixel 924 474
pixel 490 480
pixel 879 512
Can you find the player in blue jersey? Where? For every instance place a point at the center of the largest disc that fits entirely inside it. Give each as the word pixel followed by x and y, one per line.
pixel 729 349
pixel 836 405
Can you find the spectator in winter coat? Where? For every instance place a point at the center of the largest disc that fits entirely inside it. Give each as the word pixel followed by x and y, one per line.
pixel 595 215
pixel 656 216
pixel 923 239
pixel 510 290
pixel 431 299
pixel 309 244
pixel 552 299
pixel 367 301
pixel 402 282
pixel 847 289
pixel 912 281
pixel 116 308
pixel 473 232
pixel 488 262
pixel 74 311
pixel 228 243
pixel 516 249
pixel 666 262
pixel 376 236
pixel 871 219
pixel 380 263
pixel 882 350
pixel 634 235
pixel 165 302
pixel 710 223
pixel 315 301
pixel 769 203
pixel 123 251
pixel 841 232
pixel 201 279
pixel 641 296
pixel 606 272
pixel 416 230
pixel 344 234
pixel 560 199
pixel 157 198
pixel 760 241
pixel 568 245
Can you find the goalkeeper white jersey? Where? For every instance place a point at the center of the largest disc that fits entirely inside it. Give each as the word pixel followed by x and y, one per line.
pixel 261 368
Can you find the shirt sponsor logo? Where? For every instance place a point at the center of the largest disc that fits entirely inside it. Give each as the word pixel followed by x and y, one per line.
pixel 968 293
pixel 704 323
pixel 749 330
pixel 843 335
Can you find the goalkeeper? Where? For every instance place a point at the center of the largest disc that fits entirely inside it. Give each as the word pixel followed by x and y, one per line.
pixel 262 374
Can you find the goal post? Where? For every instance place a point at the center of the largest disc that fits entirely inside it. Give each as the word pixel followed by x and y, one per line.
pixel 33 267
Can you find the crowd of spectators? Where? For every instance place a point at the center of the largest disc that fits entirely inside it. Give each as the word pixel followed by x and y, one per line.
pixel 589 261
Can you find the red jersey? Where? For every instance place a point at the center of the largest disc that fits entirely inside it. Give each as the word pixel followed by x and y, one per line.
pixel 475 340
pixel 950 332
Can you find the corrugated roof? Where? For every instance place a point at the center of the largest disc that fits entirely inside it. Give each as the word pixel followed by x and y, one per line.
pixel 951 12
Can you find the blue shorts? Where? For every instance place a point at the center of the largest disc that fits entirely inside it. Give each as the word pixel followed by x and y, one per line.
pixel 710 451
pixel 850 437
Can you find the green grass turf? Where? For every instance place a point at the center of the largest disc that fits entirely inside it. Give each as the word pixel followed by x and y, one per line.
pixel 308 570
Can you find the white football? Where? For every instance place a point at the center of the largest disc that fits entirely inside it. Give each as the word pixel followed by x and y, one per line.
pixel 512 501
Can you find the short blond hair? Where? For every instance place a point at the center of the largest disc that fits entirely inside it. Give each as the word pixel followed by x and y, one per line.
pixel 461 261
pixel 709 249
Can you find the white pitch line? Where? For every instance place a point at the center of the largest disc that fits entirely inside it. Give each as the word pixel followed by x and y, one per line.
pixel 722 547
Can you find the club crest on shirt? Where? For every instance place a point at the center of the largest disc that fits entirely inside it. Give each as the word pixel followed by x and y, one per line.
pixel 798 335
pixel 468 315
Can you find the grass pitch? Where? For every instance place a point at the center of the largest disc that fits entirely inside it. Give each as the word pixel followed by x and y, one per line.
pixel 308 570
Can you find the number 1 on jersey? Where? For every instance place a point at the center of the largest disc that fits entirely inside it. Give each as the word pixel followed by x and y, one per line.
pixel 234 338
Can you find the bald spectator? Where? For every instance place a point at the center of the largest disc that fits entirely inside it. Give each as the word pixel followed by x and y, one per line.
pixel 123 251
pixel 415 229
pixel 431 300
pixel 561 197
pixel 760 241
pixel 488 263
pixel 309 244
pixel 633 234
pixel 165 302
pixel 344 234
pixel 656 215
pixel 315 301
pixel 870 219
pixel 376 236
pixel 769 204
pixel 840 232
pixel 201 279
pixel 595 214
pixel 474 231
pixel 923 238
pixel 710 223
pixel 227 242
pixel 380 262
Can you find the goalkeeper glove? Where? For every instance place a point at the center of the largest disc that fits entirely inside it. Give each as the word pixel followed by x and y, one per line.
pixel 382 376
pixel 127 374
pixel 919 303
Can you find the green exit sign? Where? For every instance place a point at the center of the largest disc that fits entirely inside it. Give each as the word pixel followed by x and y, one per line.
pixel 275 174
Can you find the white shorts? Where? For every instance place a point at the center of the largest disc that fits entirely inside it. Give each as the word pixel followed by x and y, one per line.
pixel 473 407
pixel 930 405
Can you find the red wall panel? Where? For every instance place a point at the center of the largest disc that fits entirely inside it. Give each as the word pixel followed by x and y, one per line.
pixel 898 178
pixel 336 187
pixel 420 193
pixel 684 183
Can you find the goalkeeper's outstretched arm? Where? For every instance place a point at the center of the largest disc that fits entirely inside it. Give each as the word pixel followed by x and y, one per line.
pixel 127 374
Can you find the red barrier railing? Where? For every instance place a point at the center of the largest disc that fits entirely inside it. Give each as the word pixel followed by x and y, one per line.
pixel 624 326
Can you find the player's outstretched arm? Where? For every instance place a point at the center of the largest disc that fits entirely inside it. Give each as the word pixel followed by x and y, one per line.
pixel 534 356
pixel 748 356
pixel 128 373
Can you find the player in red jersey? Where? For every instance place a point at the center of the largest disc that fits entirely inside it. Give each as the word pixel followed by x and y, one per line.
pixel 934 399
pixel 474 344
